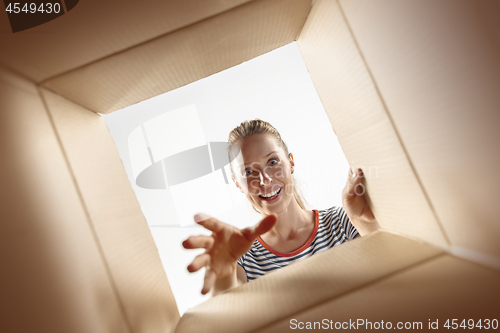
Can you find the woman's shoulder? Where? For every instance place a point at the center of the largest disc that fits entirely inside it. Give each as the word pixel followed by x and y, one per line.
pixel 334 214
pixel 337 216
pixel 331 210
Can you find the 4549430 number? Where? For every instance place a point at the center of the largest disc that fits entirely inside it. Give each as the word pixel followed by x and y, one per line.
pixel 34 8
pixel 485 324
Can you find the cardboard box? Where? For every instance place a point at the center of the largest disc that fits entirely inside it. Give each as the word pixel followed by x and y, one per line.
pixel 409 86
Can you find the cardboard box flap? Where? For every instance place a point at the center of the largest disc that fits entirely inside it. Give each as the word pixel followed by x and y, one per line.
pixel 363 126
pixel 183 56
pixel 95 29
pixel 116 217
pixel 53 276
pixel 440 82
pixel 439 291
pixel 304 284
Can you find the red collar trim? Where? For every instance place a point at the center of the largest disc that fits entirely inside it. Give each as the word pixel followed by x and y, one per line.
pixel 300 249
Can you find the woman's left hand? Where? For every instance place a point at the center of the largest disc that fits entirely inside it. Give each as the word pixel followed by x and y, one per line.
pixel 355 204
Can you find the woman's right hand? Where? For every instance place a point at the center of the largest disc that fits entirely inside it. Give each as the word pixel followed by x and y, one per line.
pixel 222 249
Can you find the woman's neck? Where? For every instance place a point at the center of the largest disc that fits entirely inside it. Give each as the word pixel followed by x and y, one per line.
pixel 291 221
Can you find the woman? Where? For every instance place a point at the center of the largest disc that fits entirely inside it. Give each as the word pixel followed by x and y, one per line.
pixel 262 168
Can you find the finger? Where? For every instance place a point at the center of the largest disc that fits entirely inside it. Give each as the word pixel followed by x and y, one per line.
pixel 359 189
pixel 200 261
pixel 208 222
pixel 209 281
pixel 350 172
pixel 354 173
pixel 354 179
pixel 261 228
pixel 355 186
pixel 199 242
pixel 361 173
pixel 201 217
pixel 265 224
pixel 358 186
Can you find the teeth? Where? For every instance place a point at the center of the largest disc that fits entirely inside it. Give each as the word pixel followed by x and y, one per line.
pixel 270 194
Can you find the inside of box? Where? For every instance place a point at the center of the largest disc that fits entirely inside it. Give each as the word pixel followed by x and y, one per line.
pixel 173 131
pixel 408 86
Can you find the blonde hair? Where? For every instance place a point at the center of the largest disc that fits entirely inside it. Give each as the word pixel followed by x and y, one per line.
pixel 258 126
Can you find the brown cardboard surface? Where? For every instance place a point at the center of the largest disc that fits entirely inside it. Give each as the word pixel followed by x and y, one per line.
pixel 95 29
pixel 52 275
pixel 295 288
pixel 439 289
pixel 184 56
pixel 363 127
pixel 116 217
pixel 437 68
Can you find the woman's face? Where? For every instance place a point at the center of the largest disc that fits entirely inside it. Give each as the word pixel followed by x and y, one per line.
pixel 264 173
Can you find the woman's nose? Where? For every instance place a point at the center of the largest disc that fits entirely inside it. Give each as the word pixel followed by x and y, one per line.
pixel 265 179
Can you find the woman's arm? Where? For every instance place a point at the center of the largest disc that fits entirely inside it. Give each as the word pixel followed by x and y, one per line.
pixel 356 206
pixel 233 280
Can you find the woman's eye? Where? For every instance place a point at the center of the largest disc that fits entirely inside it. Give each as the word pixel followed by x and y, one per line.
pixel 247 172
pixel 273 161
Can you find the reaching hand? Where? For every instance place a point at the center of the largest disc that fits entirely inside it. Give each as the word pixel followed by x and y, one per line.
pixel 223 247
pixel 355 204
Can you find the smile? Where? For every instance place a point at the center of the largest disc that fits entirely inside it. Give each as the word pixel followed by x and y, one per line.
pixel 271 195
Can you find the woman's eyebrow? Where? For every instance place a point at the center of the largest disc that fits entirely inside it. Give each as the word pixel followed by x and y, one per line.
pixel 270 153
pixel 274 151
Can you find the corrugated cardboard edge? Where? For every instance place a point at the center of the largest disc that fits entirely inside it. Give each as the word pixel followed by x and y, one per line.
pixel 442 288
pixel 263 301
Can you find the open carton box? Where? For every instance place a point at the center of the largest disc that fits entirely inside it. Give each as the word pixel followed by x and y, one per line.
pixel 409 86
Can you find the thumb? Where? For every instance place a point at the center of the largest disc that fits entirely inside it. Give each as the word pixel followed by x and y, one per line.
pixel 261 228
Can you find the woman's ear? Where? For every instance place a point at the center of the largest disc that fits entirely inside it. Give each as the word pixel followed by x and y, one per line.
pixel 292 163
pixel 236 183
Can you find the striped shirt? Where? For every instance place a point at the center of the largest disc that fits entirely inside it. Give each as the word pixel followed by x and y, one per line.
pixel 332 227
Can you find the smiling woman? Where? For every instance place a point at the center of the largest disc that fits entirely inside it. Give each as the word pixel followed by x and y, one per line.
pixel 262 168
pixel 270 141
